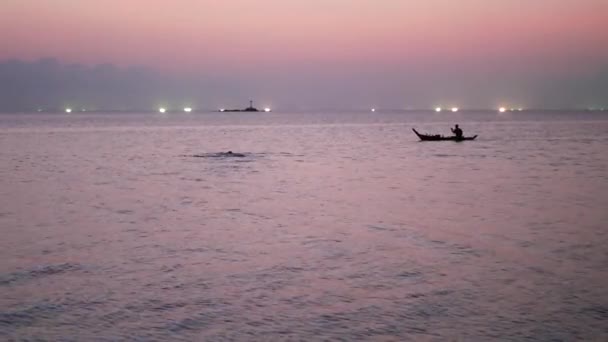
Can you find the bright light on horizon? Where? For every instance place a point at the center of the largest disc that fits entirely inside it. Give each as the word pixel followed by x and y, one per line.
pixel 502 109
pixel 373 109
pixel 222 110
pixel 68 110
pixel 267 109
pixel 455 109
pixel 187 109
pixel 438 109
pixel 162 110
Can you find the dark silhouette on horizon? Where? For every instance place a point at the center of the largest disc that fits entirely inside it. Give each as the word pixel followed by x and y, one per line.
pixel 251 108
pixel 439 137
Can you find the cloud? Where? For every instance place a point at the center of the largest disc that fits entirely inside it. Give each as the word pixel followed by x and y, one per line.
pixel 50 84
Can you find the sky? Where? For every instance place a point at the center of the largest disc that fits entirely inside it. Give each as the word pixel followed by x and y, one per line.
pixel 304 53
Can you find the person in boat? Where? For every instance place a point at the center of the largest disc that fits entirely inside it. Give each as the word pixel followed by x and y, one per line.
pixel 457 131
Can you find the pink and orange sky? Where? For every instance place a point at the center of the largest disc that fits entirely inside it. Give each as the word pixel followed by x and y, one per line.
pixel 526 42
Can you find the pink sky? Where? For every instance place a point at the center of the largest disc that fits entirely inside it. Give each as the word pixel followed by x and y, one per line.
pixel 187 35
pixel 396 52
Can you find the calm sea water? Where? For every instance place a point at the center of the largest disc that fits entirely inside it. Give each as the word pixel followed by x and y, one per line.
pixel 333 226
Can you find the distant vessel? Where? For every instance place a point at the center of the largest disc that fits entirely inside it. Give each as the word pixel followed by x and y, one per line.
pixel 437 137
pixel 251 108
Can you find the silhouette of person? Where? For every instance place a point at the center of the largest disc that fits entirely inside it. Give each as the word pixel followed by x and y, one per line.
pixel 457 131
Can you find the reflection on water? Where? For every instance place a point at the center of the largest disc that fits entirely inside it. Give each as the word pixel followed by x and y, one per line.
pixel 330 226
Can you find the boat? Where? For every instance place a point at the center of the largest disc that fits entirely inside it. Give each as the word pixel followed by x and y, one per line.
pixel 438 137
pixel 251 108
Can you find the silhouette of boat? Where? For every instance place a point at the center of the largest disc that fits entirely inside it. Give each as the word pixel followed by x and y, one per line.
pixel 437 137
pixel 251 108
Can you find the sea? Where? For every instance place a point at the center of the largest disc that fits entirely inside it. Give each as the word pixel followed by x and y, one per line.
pixel 320 226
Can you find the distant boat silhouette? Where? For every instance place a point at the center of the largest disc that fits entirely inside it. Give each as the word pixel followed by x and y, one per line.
pixel 437 137
pixel 251 108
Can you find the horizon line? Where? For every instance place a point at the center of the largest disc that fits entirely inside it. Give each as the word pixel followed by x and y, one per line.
pixel 168 110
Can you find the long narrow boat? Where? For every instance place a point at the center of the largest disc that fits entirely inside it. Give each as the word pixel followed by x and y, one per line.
pixel 437 137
